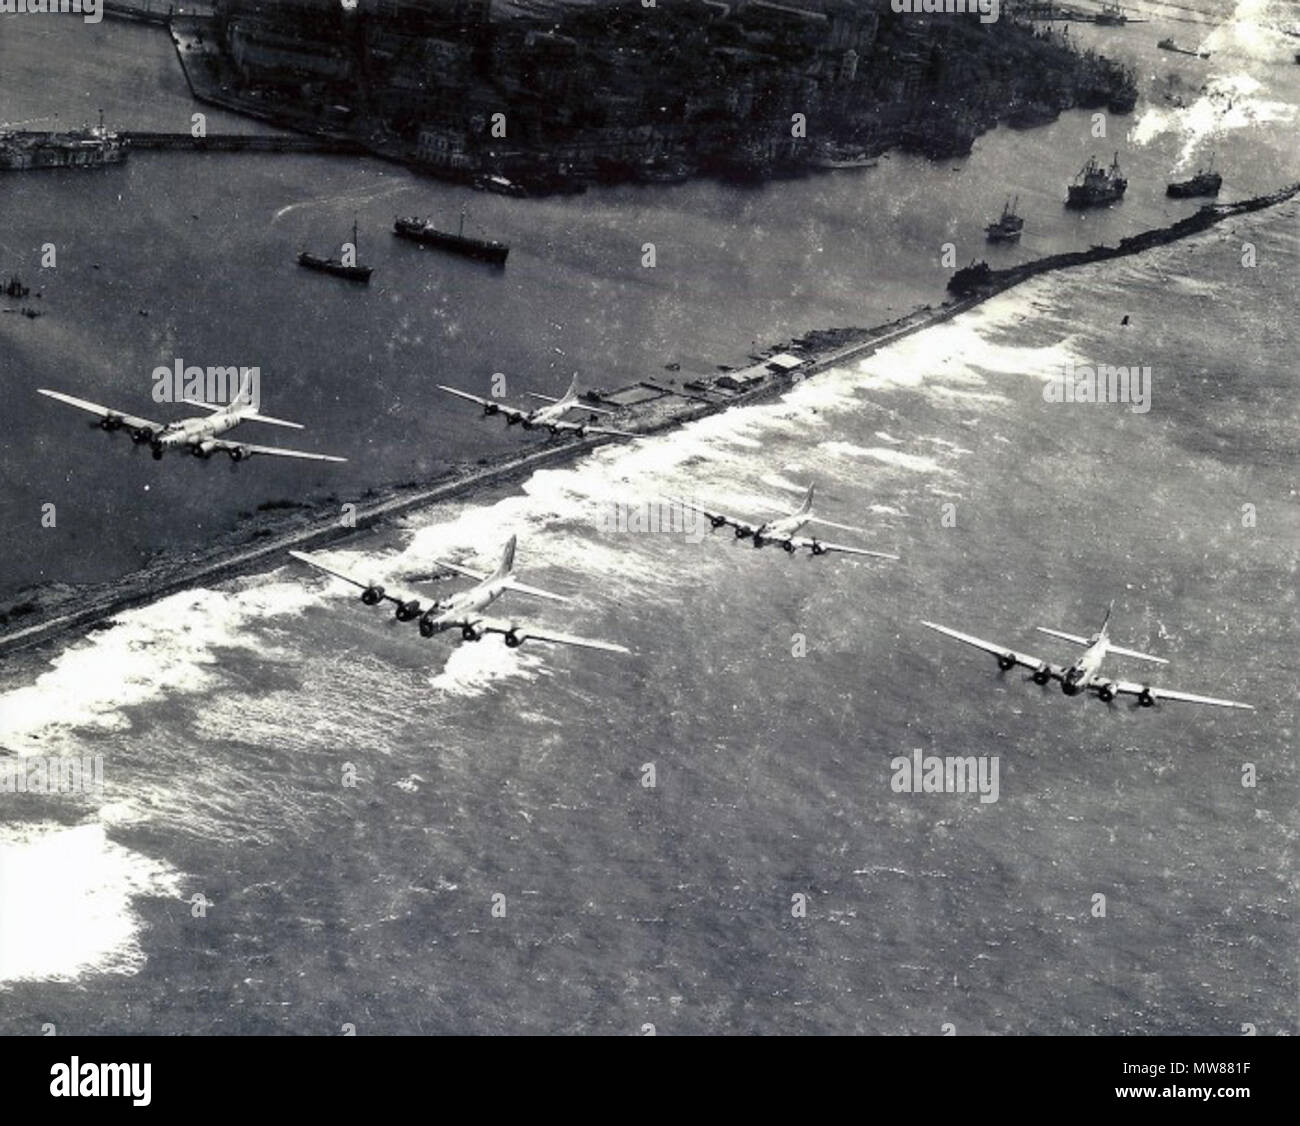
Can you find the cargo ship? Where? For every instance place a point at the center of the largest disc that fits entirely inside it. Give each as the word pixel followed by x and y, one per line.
pixel 1096 185
pixel 419 230
pixel 1205 182
pixel 1007 228
pixel 88 147
pixel 334 266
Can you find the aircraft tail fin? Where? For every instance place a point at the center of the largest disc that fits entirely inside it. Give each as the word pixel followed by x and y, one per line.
pixel 1105 622
pixel 571 395
pixel 806 507
pixel 507 565
pixel 245 396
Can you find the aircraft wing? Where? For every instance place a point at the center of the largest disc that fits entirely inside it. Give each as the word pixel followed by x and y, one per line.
pixel 1001 652
pixel 532 633
pixel 510 412
pixel 465 395
pixel 583 428
pixel 133 421
pixel 247 449
pixel 578 406
pixel 718 518
pixel 805 541
pixel 1128 688
pixel 479 575
pixel 537 592
pixel 392 594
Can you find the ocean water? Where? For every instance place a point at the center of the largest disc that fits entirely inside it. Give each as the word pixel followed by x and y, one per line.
pixel 171 256
pixel 769 694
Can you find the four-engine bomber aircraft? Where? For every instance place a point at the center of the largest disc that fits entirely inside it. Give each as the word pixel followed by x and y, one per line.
pixel 551 417
pixel 1085 673
pixel 783 530
pixel 463 610
pixel 198 435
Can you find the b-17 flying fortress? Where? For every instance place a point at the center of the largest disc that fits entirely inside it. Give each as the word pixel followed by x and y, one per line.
pixel 464 611
pixel 1084 673
pixel 198 435
pixel 551 416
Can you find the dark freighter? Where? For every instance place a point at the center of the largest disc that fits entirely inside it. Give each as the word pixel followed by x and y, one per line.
pixel 352 272
pixel 422 231
pixel 1096 186
pixel 1205 182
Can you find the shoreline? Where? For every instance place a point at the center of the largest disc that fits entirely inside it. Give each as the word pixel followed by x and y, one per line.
pixel 645 407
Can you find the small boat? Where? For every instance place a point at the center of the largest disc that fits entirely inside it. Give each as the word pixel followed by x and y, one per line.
pixel 1205 182
pixel 339 269
pixel 1008 227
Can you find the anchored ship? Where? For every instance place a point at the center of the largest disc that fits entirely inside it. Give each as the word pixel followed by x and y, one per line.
pixel 88 147
pixel 1205 182
pixel 1007 228
pixel 334 266
pixel 1096 185
pixel 422 231
pixel 1170 45
pixel 1111 13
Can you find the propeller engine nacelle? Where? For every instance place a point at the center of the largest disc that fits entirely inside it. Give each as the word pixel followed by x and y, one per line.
pixel 527 423
pixel 491 409
pixel 817 548
pixel 372 595
pixel 743 533
pixel 469 633
pixel 1042 674
pixel 143 434
pixel 238 453
pixel 716 522
pixel 788 546
pixel 1006 661
pixel 1106 692
pixel 408 611
pixel 110 422
pixel 1145 699
pixel 427 628
pixel 203 449
pixel 759 541
pixel 514 638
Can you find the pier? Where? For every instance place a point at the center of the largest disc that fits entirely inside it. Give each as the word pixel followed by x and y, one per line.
pixel 242 142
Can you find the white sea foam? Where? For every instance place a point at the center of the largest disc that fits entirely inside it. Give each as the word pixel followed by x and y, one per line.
pixel 165 648
pixel 66 902
pixel 885 455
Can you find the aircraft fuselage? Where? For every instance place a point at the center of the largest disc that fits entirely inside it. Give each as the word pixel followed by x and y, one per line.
pixel 1085 670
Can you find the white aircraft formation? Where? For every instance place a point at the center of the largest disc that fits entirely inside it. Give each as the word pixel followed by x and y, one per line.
pixel 784 530
pixel 551 416
pixel 1084 674
pixel 463 611
pixel 198 434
